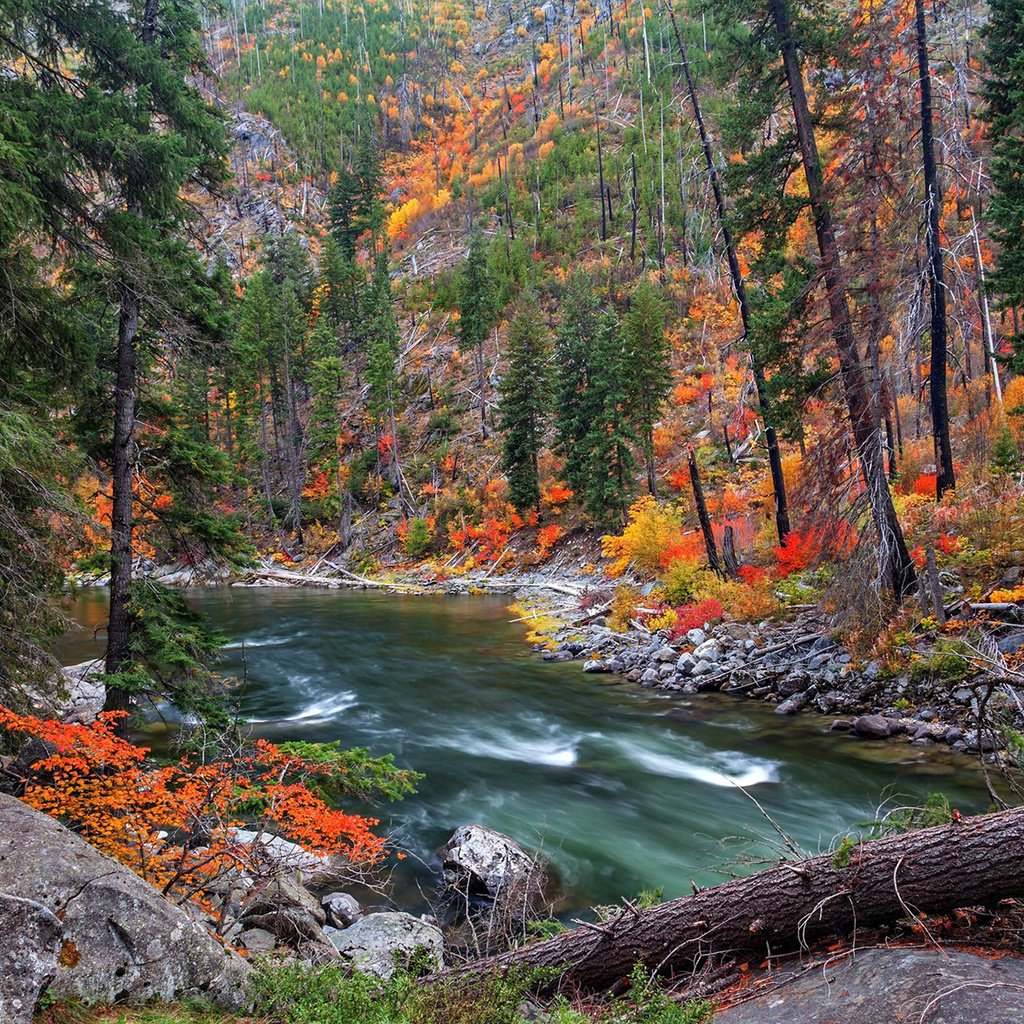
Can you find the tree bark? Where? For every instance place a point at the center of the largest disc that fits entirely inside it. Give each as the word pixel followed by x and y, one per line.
pixel 975 861
pixel 119 624
pixel 782 525
pixel 895 563
pixel 945 479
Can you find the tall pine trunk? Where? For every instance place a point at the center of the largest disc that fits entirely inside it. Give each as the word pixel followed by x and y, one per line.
pixel 895 563
pixel 782 525
pixel 945 479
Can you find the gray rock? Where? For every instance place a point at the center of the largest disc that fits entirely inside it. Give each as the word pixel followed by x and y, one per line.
pixel 480 860
pixel 667 671
pixel 841 725
pixel 792 705
pixel 122 939
pixel 277 854
pixel 874 986
pixel 665 653
pixel 708 651
pixel 696 637
pixel 651 677
pixel 871 726
pixel 596 665
pixel 28 956
pixel 84 694
pixel 257 940
pixel 342 909
pixel 284 907
pixel 685 663
pixel 703 668
pixel 376 944
pixel 953 734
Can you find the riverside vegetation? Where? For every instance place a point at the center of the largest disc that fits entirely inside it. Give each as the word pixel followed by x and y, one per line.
pixel 703 319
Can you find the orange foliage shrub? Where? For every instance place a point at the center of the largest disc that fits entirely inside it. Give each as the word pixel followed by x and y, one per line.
pixel 805 548
pixel 652 532
pixel 693 616
pixel 547 538
pixel 150 816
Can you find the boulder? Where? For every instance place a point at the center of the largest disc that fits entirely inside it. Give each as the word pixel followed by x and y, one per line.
pixel 342 909
pixel 872 726
pixel 257 940
pixel 28 956
pixel 379 943
pixel 480 860
pixel 122 939
pixel 82 693
pixel 791 705
pixel 284 907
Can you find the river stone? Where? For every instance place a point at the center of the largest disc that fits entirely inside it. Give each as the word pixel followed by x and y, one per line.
pixel 122 939
pixel 708 651
pixel 702 668
pixel 650 677
pixel 257 940
pixel 791 705
pixel 28 956
pixel 685 663
pixel 378 943
pixel 871 726
pixel 595 665
pixel 480 860
pixel 943 986
pixel 695 637
pixel 342 909
pixel 665 653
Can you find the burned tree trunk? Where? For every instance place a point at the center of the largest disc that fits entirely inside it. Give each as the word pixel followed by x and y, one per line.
pixel 702 511
pixel 970 862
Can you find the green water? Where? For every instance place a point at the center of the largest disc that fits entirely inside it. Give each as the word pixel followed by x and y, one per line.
pixel 624 789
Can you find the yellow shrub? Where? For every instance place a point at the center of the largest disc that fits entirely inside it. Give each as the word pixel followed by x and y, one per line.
pixel 650 536
pixel 623 609
pixel 743 601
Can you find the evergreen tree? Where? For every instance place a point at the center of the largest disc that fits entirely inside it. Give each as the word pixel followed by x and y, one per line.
pixel 647 367
pixel 1004 111
pixel 382 342
pixel 574 350
pixel 609 440
pixel 476 312
pixel 525 399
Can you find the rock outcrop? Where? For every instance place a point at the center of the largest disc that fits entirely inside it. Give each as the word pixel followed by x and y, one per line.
pixel 120 939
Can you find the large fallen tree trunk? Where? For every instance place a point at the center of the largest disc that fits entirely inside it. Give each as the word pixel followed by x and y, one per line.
pixel 975 861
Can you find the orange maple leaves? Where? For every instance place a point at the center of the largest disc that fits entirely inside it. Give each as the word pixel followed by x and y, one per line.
pixel 175 824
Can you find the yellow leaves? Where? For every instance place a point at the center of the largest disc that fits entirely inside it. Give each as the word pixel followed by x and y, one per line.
pixel 545 149
pixel 457 67
pixel 400 219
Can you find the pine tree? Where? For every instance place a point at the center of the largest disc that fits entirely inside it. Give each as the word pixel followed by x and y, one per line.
pixel 525 399
pixel 609 440
pixel 575 341
pixel 476 312
pixel 1004 112
pixel 382 342
pixel 646 362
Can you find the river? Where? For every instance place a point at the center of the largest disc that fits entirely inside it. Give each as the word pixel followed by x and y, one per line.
pixel 624 789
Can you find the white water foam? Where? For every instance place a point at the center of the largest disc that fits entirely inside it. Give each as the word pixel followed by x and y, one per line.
pixel 739 771
pixel 555 751
pixel 319 711
pixel 269 641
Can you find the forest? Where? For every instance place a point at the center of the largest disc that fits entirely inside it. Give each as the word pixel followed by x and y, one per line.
pixel 693 327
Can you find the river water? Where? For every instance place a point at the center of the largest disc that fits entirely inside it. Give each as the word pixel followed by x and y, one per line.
pixel 624 789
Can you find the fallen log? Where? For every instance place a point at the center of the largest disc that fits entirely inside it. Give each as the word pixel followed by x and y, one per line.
pixel 971 862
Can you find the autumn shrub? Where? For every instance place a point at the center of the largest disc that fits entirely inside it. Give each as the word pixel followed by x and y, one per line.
pixel 744 602
pixel 696 616
pixel 652 538
pixel 174 824
pixel 624 603
pixel 681 580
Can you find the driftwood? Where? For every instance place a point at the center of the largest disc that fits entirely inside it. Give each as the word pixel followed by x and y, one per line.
pixel 976 861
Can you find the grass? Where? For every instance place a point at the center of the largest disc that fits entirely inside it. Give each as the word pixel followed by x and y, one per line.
pixel 298 994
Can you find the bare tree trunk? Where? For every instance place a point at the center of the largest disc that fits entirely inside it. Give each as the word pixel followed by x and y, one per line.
pixel 895 563
pixel 702 511
pixel 945 479
pixel 976 861
pixel 782 525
